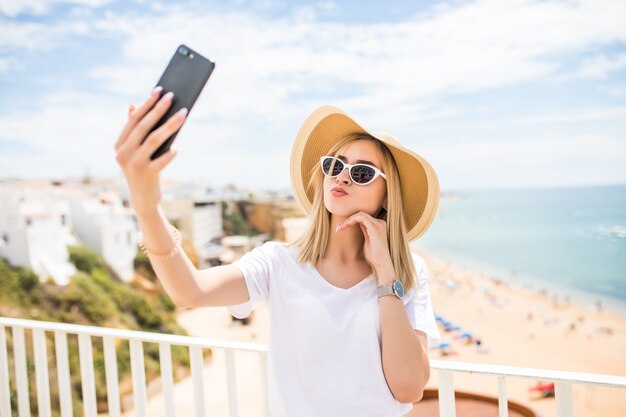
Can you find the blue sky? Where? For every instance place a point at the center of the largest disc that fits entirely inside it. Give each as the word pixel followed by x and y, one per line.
pixel 494 94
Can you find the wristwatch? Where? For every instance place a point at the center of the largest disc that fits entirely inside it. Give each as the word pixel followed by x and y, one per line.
pixel 395 288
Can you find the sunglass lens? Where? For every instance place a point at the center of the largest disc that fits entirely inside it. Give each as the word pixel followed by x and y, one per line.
pixel 326 166
pixel 362 174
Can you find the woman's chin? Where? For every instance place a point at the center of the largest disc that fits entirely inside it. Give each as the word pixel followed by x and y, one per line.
pixel 344 211
pixel 337 210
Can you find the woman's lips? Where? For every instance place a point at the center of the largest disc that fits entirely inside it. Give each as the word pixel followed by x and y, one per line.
pixel 338 193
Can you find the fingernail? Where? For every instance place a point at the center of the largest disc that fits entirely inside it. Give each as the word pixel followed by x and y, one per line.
pixel 168 96
pixel 183 111
pixel 157 89
pixel 337 228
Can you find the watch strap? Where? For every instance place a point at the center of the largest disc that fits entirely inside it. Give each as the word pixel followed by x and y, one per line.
pixel 384 290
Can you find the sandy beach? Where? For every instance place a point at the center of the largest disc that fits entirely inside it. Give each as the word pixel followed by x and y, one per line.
pixel 527 329
pixel 516 327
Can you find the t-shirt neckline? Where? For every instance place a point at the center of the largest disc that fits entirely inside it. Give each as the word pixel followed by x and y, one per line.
pixel 320 276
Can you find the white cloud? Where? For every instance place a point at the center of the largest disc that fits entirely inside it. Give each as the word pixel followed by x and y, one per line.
pixel 511 162
pixel 600 66
pixel 272 71
pixel 7 64
pixel 37 37
pixel 14 8
pixel 445 52
pixel 616 90
pixel 565 117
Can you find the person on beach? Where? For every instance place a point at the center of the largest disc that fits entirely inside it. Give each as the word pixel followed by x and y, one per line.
pixel 349 303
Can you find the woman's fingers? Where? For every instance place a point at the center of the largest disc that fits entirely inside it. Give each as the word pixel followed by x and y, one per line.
pixel 350 221
pixel 136 114
pixel 158 164
pixel 160 135
pixel 143 126
pixel 362 218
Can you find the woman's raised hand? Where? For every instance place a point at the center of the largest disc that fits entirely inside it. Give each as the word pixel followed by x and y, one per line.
pixel 142 173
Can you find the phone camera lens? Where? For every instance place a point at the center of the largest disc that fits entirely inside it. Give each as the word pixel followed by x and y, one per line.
pixel 183 51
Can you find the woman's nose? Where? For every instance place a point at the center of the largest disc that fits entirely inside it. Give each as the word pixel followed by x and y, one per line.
pixel 344 176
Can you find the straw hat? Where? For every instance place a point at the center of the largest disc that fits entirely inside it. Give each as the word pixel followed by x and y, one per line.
pixel 326 125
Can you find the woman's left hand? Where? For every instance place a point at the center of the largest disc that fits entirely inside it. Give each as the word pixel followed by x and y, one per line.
pixel 375 247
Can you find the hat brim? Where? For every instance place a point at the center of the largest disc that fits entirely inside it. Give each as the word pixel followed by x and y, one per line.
pixel 324 127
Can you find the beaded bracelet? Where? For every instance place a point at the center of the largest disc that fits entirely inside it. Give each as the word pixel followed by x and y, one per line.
pixel 163 255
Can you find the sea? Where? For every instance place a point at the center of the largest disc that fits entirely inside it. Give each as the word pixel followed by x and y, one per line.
pixel 569 242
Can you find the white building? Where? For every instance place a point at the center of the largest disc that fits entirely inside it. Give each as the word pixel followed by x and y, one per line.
pixel 103 224
pixel 38 221
pixel 200 220
pixel 35 230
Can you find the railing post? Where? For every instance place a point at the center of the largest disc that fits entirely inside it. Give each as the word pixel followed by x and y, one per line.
pixel 503 402
pixel 263 367
pixel 88 381
pixel 41 374
pixel 197 371
pixel 447 406
pixel 139 377
pixel 63 372
pixel 21 377
pixel 231 380
pixel 564 399
pixel 110 367
pixel 5 392
pixel 165 358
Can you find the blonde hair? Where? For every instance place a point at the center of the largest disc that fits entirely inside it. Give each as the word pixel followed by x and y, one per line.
pixel 313 242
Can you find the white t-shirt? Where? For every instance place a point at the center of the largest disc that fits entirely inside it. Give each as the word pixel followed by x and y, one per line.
pixel 324 352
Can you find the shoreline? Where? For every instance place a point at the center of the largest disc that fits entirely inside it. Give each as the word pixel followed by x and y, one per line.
pixel 533 284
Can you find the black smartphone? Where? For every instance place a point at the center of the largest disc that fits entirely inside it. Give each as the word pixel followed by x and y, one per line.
pixel 185 76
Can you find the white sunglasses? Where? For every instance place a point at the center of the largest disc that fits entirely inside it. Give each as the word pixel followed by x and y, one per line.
pixel 361 174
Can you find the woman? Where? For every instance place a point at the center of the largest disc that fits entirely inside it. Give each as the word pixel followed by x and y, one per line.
pixel 349 303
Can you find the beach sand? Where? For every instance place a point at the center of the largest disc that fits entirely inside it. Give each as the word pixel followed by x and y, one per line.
pixel 516 327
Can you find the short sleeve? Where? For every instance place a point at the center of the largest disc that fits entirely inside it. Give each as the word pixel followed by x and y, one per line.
pixel 256 267
pixel 418 304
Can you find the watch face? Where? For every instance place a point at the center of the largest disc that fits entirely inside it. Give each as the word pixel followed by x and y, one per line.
pixel 398 288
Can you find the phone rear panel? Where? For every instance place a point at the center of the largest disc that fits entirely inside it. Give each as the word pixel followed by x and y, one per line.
pixel 185 75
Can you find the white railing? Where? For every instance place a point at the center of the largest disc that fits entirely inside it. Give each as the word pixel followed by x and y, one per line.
pixel 445 371
pixel 109 336
pixel 563 381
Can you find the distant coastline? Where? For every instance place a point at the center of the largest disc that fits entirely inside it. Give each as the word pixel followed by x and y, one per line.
pixel 531 284
pixel 569 242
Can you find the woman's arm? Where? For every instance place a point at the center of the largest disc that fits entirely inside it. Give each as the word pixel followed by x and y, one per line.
pixel 217 286
pixel 404 350
pixel 185 284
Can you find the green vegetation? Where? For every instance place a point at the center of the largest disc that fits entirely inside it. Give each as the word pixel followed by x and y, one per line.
pixel 235 219
pixel 96 297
